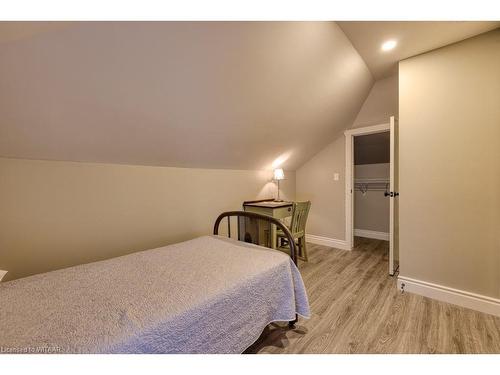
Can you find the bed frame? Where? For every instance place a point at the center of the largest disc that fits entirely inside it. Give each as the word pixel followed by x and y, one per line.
pixel 258 220
pixel 246 219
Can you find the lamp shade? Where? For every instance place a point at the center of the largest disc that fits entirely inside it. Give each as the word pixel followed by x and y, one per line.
pixel 279 174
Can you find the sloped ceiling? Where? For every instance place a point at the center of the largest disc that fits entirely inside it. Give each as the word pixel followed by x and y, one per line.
pixel 236 95
pixel 12 31
pixel 413 38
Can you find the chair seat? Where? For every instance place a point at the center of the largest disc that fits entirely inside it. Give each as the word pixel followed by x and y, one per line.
pixel 297 239
pixel 280 233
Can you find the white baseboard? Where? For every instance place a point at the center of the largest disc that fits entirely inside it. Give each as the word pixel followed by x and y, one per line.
pixel 458 297
pixel 326 241
pixel 371 234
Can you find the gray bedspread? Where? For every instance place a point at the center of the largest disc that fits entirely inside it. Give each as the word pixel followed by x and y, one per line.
pixel 207 295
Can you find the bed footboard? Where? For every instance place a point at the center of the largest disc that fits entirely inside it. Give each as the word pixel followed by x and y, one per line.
pixel 256 228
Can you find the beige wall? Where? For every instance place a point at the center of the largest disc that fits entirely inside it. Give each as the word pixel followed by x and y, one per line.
pixel 371 209
pixel 315 177
pixel 381 103
pixel 315 182
pixel 450 166
pixel 58 214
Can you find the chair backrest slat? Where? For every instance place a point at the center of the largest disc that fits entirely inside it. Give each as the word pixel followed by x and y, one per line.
pixel 299 216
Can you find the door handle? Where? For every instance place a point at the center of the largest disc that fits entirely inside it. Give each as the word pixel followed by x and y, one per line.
pixel 391 194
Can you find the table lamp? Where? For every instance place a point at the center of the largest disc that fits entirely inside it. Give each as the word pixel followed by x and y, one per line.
pixel 278 176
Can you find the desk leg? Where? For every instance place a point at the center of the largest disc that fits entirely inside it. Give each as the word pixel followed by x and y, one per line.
pixel 273 236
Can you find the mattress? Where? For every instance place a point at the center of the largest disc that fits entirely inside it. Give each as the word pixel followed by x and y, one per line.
pixel 207 295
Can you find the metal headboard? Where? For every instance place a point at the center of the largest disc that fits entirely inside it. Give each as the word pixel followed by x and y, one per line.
pixel 256 217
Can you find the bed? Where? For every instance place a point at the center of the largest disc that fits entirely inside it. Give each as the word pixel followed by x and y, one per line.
pixel 212 294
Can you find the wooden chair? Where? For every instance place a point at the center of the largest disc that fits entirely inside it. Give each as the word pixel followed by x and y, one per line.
pixel 297 228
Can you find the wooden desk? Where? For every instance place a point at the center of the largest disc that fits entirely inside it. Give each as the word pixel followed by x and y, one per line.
pixel 278 210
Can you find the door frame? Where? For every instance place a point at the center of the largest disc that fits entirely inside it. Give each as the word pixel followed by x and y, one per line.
pixel 349 174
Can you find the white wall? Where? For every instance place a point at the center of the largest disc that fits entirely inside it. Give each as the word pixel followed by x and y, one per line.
pixel 449 207
pixel 58 214
pixel 315 177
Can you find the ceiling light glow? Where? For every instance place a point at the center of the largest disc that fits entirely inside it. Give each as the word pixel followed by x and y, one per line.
pixel 388 45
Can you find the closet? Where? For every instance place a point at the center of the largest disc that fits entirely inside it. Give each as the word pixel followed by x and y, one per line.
pixel 371 185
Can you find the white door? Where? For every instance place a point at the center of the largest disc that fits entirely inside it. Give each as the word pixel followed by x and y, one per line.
pixel 394 198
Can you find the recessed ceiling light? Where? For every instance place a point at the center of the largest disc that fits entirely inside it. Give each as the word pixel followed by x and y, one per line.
pixel 388 45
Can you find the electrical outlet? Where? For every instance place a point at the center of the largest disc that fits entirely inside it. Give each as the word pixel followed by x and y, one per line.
pixel 2 274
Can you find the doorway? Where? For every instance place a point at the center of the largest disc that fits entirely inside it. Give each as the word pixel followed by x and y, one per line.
pixel 381 179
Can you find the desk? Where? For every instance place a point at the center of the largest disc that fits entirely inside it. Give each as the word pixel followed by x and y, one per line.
pixel 270 207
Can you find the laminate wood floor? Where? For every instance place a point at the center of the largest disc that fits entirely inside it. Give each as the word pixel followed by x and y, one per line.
pixel 356 308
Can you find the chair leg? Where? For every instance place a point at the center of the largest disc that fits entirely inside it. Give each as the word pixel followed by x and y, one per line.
pixel 299 249
pixel 303 249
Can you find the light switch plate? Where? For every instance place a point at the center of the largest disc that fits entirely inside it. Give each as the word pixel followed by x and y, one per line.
pixel 336 176
pixel 2 274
